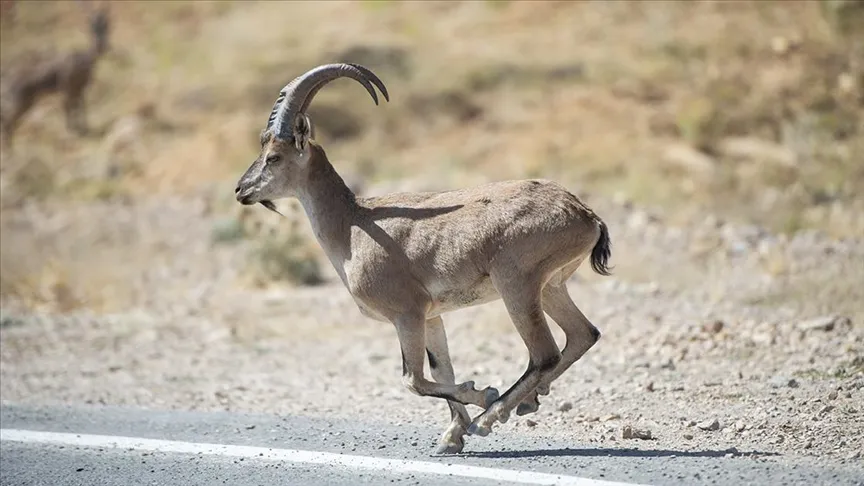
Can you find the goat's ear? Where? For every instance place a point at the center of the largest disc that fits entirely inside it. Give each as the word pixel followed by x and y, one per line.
pixel 302 131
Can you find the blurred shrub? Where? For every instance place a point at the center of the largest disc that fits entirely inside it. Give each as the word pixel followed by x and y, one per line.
pixel 279 250
pixel 285 258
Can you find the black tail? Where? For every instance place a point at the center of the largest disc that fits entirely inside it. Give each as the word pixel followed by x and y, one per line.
pixel 602 251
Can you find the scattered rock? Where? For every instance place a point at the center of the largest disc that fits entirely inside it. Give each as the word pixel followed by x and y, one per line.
pixel 631 433
pixel 782 45
pixel 825 409
pixel 713 327
pixel 832 395
pixel 530 423
pixel 250 427
pixel 690 159
pixel 565 407
pixel 824 323
pixel 649 387
pixel 740 426
pixel 755 149
pixel 688 436
pixel 792 383
pixel 709 425
pixel 808 444
pixel 611 416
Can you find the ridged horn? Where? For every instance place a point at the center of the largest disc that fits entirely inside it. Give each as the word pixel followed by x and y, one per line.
pixel 296 96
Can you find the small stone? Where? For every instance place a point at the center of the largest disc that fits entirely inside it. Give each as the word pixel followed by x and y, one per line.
pixel 832 395
pixel 250 427
pixel 824 323
pixel 709 425
pixel 780 45
pixel 690 159
pixel 629 432
pixel 792 383
pixel 848 394
pixel 649 387
pixel 713 327
pixel 808 444
pixel 530 423
pixel 826 409
pixel 691 423
pixel 855 455
pixel 740 426
pixel 611 416
pixel 565 407
pixel 688 436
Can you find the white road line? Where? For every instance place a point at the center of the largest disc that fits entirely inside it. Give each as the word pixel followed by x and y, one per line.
pixel 298 456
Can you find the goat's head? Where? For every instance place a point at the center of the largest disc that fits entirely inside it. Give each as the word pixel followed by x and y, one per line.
pixel 281 168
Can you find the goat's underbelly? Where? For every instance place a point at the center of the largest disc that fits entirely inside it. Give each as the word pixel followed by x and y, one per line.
pixel 444 299
pixel 450 299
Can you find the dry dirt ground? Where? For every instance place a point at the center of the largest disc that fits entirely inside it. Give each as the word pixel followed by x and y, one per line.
pixel 719 334
pixel 730 177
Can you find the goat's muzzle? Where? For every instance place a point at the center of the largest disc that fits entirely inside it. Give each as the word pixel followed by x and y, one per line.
pixel 243 196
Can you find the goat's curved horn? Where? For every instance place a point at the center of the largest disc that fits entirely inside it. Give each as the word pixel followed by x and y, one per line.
pixel 296 96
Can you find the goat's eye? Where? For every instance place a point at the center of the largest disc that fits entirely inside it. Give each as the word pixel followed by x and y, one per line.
pixel 272 159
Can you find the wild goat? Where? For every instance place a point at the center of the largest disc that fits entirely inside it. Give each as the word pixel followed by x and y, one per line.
pixel 408 258
pixel 69 75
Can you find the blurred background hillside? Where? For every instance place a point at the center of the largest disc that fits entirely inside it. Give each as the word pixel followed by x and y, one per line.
pixel 751 112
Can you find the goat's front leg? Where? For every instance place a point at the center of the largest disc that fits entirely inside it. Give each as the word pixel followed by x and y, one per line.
pixel 442 371
pixel 412 339
pixel 521 297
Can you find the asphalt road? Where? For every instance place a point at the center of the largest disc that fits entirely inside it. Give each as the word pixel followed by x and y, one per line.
pixel 123 446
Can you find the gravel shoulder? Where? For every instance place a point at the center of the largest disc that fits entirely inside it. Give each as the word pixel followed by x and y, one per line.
pixel 714 351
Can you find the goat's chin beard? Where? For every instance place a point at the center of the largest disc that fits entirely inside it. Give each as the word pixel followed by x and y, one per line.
pixel 272 207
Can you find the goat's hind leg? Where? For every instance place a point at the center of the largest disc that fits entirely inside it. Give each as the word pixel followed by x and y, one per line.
pixel 442 371
pixel 522 298
pixel 76 118
pixel 412 340
pixel 578 330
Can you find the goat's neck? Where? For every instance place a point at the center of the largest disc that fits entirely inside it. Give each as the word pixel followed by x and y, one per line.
pixel 331 208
